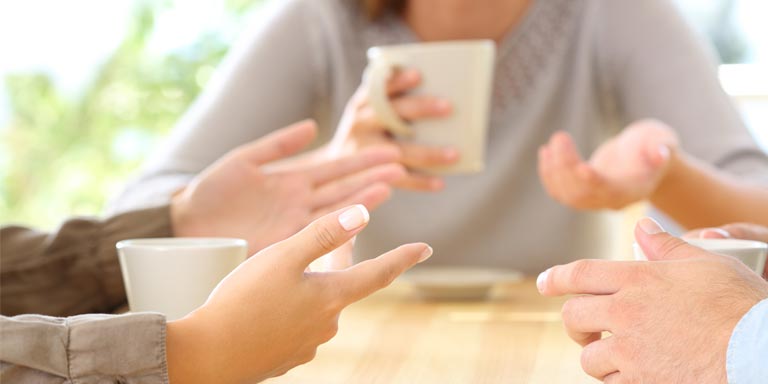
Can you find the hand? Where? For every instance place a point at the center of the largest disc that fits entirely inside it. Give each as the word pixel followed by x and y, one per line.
pixel 670 318
pixel 624 170
pixel 270 314
pixel 743 231
pixel 360 128
pixel 241 196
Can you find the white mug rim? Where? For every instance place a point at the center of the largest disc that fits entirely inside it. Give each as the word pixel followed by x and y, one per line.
pixel 175 243
pixel 727 244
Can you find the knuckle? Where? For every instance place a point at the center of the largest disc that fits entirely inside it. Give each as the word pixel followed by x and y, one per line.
pixel 324 238
pixel 569 312
pixel 388 274
pixel 670 246
pixel 579 271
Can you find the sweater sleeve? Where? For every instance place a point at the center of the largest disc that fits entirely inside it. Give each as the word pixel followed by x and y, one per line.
pixel 74 270
pixel 661 69
pixel 270 79
pixel 83 349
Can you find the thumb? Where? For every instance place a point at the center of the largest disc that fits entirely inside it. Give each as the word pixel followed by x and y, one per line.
pixel 323 236
pixel 280 144
pixel 659 245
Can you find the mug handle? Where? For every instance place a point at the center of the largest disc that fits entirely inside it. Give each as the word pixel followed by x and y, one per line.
pixel 377 75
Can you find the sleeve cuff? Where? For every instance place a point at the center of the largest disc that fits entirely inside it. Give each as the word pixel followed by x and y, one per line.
pixel 748 347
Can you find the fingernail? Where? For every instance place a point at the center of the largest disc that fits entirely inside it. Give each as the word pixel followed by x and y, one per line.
pixel 354 217
pixel 650 226
pixel 541 280
pixel 664 152
pixel 715 233
pixel 426 254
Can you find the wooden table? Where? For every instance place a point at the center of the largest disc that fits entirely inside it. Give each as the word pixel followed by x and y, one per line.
pixel 394 337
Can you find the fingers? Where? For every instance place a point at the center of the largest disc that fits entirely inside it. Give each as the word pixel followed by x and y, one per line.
pixel 369 276
pixel 336 191
pixel 421 107
pixel 707 233
pixel 657 244
pixel 586 317
pixel 566 176
pixel 403 81
pixel 409 108
pixel 322 236
pixel 341 257
pixel 279 144
pixel 594 277
pixel 371 197
pixel 421 156
pixel 747 231
pixel 598 359
pixel 338 168
pixel 420 183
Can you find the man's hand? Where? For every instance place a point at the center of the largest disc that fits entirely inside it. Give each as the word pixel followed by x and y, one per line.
pixel 240 196
pixel 270 314
pixel 624 170
pixel 670 319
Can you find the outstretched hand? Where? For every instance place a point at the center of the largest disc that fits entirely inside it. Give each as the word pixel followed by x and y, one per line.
pixel 625 169
pixel 271 313
pixel 242 196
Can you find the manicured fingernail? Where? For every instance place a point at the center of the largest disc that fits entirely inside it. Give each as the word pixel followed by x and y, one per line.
pixel 354 217
pixel 650 226
pixel 410 74
pixel 426 254
pixel 541 280
pixel 715 233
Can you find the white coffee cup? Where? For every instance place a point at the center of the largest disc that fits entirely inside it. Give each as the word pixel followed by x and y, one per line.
pixel 174 276
pixel 458 71
pixel 751 253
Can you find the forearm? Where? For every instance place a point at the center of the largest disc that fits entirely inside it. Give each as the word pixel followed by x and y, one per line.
pixel 74 270
pixel 698 195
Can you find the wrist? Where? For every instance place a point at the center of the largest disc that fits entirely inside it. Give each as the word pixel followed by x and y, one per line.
pixel 182 222
pixel 188 355
pixel 671 172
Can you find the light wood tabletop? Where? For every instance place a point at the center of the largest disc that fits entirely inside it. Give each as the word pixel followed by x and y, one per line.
pixel 394 337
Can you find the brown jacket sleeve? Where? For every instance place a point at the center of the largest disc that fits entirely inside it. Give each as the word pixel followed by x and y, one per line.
pixel 74 270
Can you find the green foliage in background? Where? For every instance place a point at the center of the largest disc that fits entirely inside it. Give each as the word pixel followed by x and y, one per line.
pixel 64 155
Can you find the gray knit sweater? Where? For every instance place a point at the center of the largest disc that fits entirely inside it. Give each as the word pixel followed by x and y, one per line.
pixel 585 66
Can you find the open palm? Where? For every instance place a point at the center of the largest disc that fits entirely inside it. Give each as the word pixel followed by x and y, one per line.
pixel 239 196
pixel 625 169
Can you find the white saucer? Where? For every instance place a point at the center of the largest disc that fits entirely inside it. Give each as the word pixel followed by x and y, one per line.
pixel 458 283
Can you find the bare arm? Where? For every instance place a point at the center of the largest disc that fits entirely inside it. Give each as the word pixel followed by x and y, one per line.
pixel 696 194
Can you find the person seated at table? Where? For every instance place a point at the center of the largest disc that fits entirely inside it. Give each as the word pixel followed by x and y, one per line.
pixel 590 67
pixel 246 194
pixel 267 316
pixel 685 316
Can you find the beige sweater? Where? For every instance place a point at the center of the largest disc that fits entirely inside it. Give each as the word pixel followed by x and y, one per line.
pixel 585 66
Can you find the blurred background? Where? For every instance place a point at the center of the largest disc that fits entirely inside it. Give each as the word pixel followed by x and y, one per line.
pixel 90 87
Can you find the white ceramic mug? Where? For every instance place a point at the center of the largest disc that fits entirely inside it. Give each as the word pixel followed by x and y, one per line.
pixel 458 71
pixel 751 253
pixel 174 276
